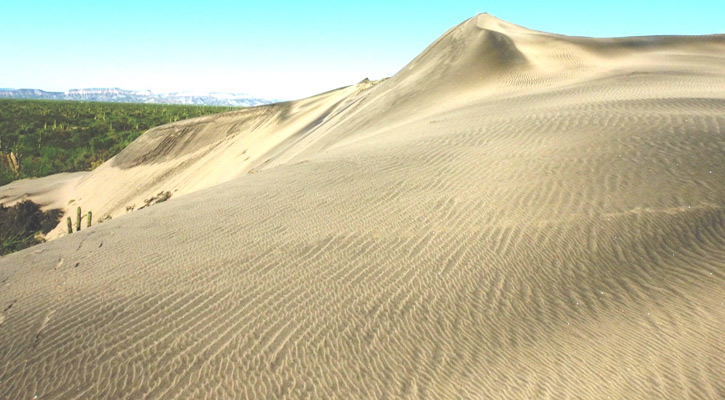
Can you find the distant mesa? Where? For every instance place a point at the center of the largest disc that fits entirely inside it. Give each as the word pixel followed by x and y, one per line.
pixel 116 95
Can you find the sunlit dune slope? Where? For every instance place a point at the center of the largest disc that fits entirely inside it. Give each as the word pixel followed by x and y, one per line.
pixel 514 215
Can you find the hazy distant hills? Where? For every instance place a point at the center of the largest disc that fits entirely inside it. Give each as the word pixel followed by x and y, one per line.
pixel 137 96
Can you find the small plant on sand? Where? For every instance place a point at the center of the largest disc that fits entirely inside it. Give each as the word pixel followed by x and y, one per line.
pixel 78 221
pixel 159 198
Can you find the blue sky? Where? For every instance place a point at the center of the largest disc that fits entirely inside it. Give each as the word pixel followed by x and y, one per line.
pixel 280 49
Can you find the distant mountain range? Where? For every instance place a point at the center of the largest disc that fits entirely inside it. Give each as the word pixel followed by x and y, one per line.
pixel 117 95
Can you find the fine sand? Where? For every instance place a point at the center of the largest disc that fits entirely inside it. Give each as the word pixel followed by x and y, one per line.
pixel 514 215
pixel 52 191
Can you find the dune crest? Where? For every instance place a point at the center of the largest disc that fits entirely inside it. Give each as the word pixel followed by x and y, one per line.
pixel 513 215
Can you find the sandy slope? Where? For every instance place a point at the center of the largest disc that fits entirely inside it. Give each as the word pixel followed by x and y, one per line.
pixel 52 191
pixel 194 154
pixel 515 214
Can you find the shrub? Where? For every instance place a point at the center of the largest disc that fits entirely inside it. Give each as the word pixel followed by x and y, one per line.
pixel 21 224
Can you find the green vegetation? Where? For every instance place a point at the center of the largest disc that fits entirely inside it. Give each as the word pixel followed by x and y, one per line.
pixel 42 137
pixel 79 217
pixel 24 224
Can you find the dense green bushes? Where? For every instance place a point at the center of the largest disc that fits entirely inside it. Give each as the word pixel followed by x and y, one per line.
pixel 40 137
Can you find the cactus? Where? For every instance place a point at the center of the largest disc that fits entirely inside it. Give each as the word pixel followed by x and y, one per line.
pixel 90 217
pixel 70 226
pixel 78 222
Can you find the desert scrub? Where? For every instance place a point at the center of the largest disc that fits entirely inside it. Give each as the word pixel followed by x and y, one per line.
pixel 43 137
pixel 24 225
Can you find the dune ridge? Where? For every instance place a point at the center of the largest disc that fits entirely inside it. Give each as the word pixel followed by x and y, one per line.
pixel 515 214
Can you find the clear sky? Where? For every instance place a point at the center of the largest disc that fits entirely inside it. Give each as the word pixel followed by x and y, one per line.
pixel 281 49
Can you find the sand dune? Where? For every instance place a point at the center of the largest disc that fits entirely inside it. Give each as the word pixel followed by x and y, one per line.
pixel 515 214
pixel 52 191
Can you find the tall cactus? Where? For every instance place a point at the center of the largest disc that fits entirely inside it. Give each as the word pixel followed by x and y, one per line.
pixel 90 217
pixel 78 222
pixel 70 226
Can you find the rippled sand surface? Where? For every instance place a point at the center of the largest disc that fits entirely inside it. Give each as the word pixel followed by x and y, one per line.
pixel 514 215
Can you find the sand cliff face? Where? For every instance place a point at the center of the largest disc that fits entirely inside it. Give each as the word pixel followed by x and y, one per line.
pixel 515 214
